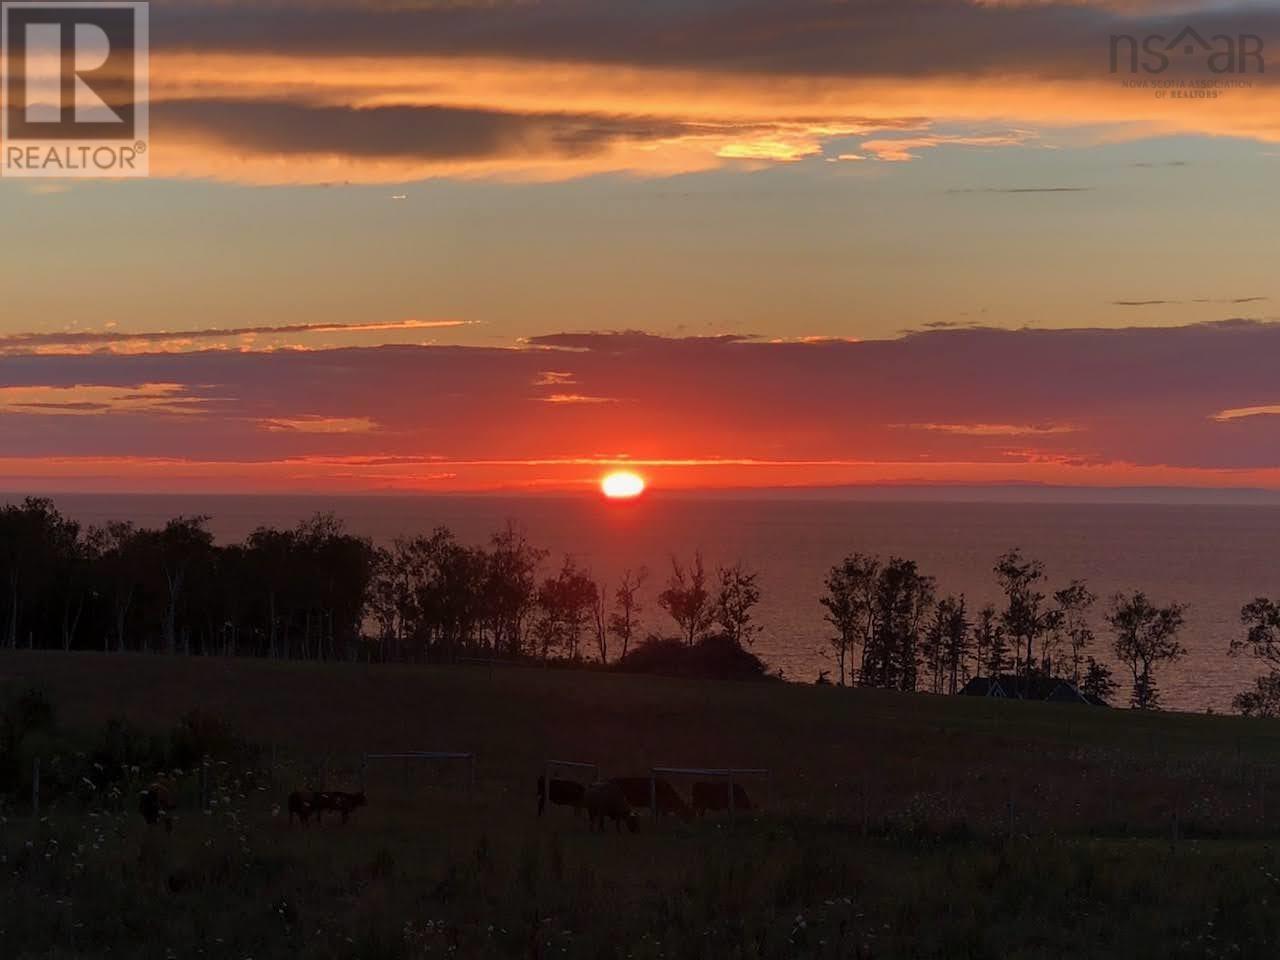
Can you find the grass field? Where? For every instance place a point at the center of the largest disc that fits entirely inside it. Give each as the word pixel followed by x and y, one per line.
pixel 896 826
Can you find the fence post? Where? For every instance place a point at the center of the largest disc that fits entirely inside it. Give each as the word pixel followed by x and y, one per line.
pixel 35 790
pixel 733 813
pixel 473 773
pixel 653 793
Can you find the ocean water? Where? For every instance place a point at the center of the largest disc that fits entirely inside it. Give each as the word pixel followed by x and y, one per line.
pixel 1214 558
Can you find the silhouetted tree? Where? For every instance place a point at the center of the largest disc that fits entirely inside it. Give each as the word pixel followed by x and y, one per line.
pixel 118 577
pixel 1074 603
pixel 687 601
pixel 565 603
pixel 388 599
pixel 1263 700
pixel 36 546
pixel 956 643
pixel 600 620
pixel 624 622
pixel 74 568
pixel 946 644
pixel 272 562
pixel 735 598
pixel 991 653
pixel 1145 636
pixel 180 549
pixel 931 646
pixel 850 604
pixel 1261 620
pixel 225 598
pixel 1097 682
pixel 335 590
pixel 447 590
pixel 1027 619
pixel 903 599
pixel 511 588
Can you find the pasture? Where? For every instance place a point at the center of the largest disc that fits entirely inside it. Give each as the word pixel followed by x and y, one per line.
pixel 896 826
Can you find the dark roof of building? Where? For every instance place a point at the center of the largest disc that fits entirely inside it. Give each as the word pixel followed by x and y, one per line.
pixel 1033 687
pixel 983 687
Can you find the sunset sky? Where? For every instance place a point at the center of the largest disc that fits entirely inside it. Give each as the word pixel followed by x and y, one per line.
pixel 445 245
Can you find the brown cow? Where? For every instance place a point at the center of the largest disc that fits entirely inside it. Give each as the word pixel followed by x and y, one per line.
pixel 156 804
pixel 715 796
pixel 343 803
pixel 641 791
pixel 564 793
pixel 301 806
pixel 606 801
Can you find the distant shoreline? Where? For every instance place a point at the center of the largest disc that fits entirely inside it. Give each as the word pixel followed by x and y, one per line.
pixel 1010 494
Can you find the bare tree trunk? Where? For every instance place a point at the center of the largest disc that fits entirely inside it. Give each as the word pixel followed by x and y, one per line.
pixel 171 611
pixel 271 632
pixel 122 614
pixel 70 622
pixel 13 611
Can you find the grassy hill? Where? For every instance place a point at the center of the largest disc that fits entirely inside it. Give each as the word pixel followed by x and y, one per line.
pixel 893 825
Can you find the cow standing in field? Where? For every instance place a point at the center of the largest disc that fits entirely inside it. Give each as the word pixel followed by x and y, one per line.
pixel 337 802
pixel 301 806
pixel 642 791
pixel 715 796
pixel 607 801
pixel 156 804
pixel 563 793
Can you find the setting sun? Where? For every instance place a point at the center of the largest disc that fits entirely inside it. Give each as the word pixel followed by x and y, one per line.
pixel 622 485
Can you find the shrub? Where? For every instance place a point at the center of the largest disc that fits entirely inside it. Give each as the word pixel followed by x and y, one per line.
pixel 121 746
pixel 201 734
pixel 713 658
pixel 1263 700
pixel 27 713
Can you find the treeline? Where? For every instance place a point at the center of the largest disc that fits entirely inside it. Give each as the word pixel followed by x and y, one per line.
pixel 119 587
pixel 893 630
pixel 316 592
pixel 905 637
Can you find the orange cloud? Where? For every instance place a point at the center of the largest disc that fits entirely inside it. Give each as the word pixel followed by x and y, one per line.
pixel 906 148
pixel 576 398
pixel 721 411
pixel 320 425
pixel 82 400
pixel 556 91
pixel 992 429
pixel 244 338
pixel 1243 413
